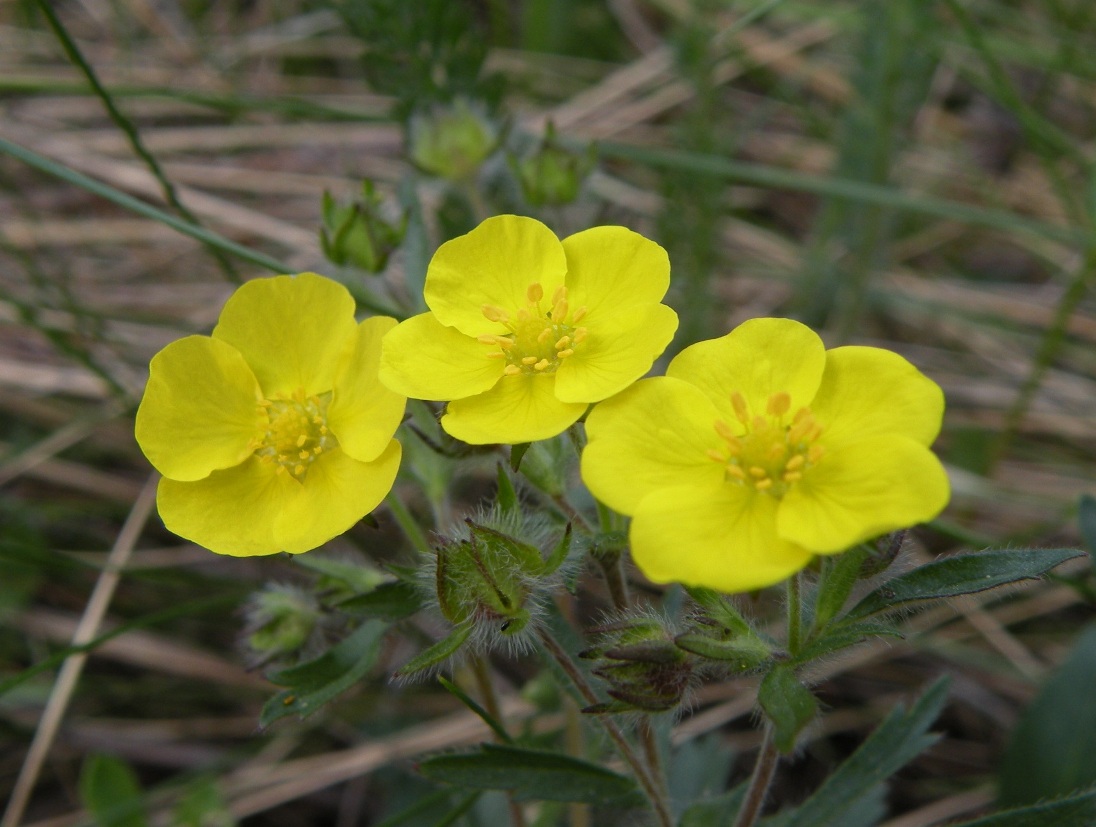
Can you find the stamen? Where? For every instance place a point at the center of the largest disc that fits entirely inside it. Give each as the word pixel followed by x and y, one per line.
pixel 541 365
pixel 535 292
pixel 779 403
pixel 563 354
pixel 559 310
pixel 494 314
pixel 758 473
pixel 530 360
pixel 544 336
pixel 580 314
pixel 511 370
pixel 559 295
pixel 741 410
pixel 562 343
pixel 579 335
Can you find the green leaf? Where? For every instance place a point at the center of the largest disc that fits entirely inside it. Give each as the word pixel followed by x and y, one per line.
pixel 962 574
pixel 719 609
pixel 480 712
pixel 203 806
pixel 898 740
pixel 389 601
pixel 842 637
pixel 111 793
pixel 361 577
pixel 505 494
pixel 517 452
pixel 1078 811
pixel 441 650
pixel 1052 752
pixel 788 704
pixel 529 774
pixel 559 553
pixel 741 653
pixel 313 684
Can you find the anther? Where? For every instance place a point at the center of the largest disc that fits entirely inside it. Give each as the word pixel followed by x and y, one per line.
pixel 544 336
pixel 736 472
pixel 559 295
pixel 529 360
pixel 741 409
pixel 487 340
pixel 494 314
pixel 562 343
pixel 815 453
pixel 713 454
pixel 763 485
pixel 511 370
pixel 559 310
pixel 792 476
pixel 580 314
pixel 495 354
pixel 535 292
pixel 579 334
pixel 301 440
pixel 758 473
pixel 795 463
pixel 779 404
pixel 541 365
pixel 563 354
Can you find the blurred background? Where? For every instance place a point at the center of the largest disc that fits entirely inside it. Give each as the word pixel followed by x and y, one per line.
pixel 907 174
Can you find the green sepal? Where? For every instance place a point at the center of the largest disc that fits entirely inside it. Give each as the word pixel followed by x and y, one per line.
pixel 444 648
pixel 719 609
pixel 389 601
pixel 1077 811
pixel 531 775
pixel 839 575
pixel 743 654
pixel 517 453
pixel 961 574
pixel 559 553
pixel 788 705
pixel 313 684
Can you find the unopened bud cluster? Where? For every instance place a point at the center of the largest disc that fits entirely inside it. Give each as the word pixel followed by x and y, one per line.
pixel 452 141
pixel 357 234
pixel 644 668
pixel 552 175
pixel 280 620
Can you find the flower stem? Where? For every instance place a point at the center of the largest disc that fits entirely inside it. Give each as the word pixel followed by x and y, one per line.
pixel 658 801
pixel 795 614
pixel 407 523
pixel 760 780
pixel 486 687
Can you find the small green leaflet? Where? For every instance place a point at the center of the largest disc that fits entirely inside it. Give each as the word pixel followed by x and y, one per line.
pixel 788 705
pixel 530 774
pixel 1078 811
pixel 313 684
pixel 111 793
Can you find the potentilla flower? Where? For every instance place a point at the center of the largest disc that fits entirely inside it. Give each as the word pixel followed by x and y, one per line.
pixel 761 449
pixel 525 331
pixel 273 434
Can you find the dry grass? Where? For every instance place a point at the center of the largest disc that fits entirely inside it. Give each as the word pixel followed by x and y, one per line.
pixel 89 292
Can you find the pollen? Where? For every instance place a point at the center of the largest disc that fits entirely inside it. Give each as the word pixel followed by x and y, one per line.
pixel 541 335
pixel 770 451
pixel 295 433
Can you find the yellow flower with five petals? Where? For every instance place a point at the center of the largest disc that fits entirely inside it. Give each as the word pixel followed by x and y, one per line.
pixel 760 449
pixel 524 331
pixel 274 433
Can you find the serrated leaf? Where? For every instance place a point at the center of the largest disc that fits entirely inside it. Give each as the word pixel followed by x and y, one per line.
pixel 444 648
pixel 389 601
pixel 111 793
pixel 313 684
pixel 788 705
pixel 962 574
pixel 839 575
pixel 898 740
pixel 530 774
pixel 1052 751
pixel 1077 811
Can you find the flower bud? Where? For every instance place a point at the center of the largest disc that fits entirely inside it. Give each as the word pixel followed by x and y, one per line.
pixel 552 175
pixel 280 620
pixel 357 234
pixel 644 668
pixel 452 141
pixel 494 577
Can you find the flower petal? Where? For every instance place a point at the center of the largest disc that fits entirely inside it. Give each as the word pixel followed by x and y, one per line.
pixel 493 264
pixel 363 413
pixel 200 409
pixel 868 391
pixel 612 268
pixel 617 351
pixel 231 511
pixel 423 359
pixel 518 409
pixel 758 358
pixel 290 329
pixel 863 490
pixel 336 493
pixel 654 435
pixel 721 536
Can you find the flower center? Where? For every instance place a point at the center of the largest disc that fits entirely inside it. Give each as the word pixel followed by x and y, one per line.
pixel 540 336
pixel 775 449
pixel 296 432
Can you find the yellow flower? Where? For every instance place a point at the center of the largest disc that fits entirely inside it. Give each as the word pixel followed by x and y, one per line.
pixel 273 433
pixel 762 448
pixel 525 331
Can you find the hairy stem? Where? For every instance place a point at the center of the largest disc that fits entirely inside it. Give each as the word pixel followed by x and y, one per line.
pixel 650 788
pixel 760 780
